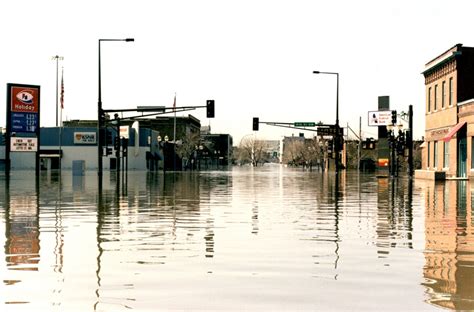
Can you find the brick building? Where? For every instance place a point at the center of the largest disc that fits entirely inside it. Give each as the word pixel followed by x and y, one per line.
pixel 449 129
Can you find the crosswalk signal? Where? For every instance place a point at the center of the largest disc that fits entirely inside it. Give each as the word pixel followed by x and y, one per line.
pixel 255 124
pixel 210 108
pixel 394 117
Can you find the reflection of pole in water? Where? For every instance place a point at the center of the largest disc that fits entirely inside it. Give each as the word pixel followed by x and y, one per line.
pixel 99 253
pixel 336 220
pixel 59 232
pixel 22 228
pixel 255 218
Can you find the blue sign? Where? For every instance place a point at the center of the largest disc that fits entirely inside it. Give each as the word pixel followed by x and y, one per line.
pixel 24 122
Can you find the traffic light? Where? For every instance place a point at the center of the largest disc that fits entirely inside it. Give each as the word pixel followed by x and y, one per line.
pixel 394 117
pixel 108 137
pixel 255 124
pixel 117 143
pixel 124 147
pixel 210 108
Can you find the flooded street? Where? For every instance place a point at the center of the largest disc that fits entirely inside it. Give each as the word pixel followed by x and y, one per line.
pixel 254 239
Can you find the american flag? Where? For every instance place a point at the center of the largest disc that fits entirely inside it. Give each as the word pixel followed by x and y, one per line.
pixel 62 89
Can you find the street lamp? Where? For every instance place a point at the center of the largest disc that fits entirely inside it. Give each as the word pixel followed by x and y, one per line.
pixel 100 113
pixel 336 137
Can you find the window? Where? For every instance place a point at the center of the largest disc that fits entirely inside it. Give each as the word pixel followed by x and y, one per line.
pixel 443 93
pixel 435 154
pixel 435 97
pixel 428 156
pixel 451 91
pixel 446 155
pixel 429 99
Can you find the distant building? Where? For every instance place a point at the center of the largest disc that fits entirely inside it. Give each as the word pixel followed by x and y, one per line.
pixel 217 151
pixel 148 146
pixel 449 119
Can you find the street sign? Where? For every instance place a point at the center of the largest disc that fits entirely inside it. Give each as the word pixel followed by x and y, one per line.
pixel 331 130
pixel 304 124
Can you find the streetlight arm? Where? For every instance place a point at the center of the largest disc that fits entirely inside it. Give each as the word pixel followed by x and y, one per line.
pixel 336 137
pixel 126 40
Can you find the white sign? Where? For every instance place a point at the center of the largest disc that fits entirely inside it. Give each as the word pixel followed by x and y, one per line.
pixel 380 118
pixel 24 144
pixel 85 138
pixel 124 132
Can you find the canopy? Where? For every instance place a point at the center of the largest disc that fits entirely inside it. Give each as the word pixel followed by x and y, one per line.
pixel 453 131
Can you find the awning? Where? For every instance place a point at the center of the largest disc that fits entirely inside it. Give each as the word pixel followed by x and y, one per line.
pixel 453 131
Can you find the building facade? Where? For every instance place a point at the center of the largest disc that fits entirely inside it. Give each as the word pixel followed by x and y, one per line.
pixel 449 116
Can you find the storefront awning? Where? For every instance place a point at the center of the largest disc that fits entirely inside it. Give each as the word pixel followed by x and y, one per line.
pixel 453 131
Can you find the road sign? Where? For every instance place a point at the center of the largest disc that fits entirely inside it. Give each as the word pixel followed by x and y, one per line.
pixel 331 130
pixel 304 124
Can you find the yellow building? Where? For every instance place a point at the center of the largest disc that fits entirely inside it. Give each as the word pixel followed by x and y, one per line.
pixel 449 129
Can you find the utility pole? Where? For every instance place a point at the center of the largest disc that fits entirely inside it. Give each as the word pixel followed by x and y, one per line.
pixel 359 152
pixel 409 140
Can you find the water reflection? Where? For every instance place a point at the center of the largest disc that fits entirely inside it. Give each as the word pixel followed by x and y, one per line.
pixel 151 240
pixel 449 255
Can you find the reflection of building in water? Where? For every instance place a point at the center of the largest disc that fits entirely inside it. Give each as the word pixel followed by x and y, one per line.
pixel 449 255
pixel 22 232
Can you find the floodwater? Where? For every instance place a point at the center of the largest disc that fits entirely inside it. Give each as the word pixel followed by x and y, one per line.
pixel 252 239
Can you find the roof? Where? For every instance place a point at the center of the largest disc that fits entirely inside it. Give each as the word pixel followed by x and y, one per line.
pixel 443 58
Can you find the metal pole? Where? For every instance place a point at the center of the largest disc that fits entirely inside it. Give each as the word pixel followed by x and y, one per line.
pixel 57 65
pixel 359 149
pixel 337 138
pixel 336 147
pixel 100 113
pixel 119 144
pixel 99 128
pixel 409 140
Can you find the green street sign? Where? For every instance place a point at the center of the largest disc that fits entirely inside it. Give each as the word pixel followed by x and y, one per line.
pixel 304 124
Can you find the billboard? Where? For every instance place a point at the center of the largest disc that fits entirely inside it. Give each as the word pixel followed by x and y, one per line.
pixel 23 122
pixel 24 108
pixel 380 118
pixel 24 144
pixel 85 138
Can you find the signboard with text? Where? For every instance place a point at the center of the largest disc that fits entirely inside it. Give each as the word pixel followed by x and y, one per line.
pixel 24 144
pixel 85 138
pixel 23 122
pixel 380 118
pixel 24 108
pixel 304 124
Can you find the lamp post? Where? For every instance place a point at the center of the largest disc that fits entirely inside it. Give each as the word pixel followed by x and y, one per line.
pixel 336 137
pixel 100 115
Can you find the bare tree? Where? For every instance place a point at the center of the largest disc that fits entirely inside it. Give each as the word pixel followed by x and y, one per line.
pixel 252 151
pixel 302 152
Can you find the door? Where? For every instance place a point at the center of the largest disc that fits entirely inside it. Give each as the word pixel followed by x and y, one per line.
pixel 462 157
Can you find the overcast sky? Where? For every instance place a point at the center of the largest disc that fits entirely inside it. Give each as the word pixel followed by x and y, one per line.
pixel 254 58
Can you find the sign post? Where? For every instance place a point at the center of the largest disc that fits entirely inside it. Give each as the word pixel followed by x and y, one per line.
pixel 23 122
